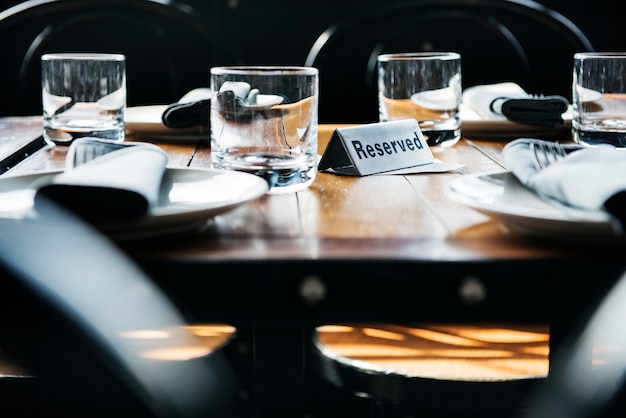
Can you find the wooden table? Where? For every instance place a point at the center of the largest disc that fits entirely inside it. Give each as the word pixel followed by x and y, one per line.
pixel 376 248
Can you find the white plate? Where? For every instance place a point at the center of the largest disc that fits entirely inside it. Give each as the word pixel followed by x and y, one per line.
pixel 473 126
pixel 146 121
pixel 188 198
pixel 503 197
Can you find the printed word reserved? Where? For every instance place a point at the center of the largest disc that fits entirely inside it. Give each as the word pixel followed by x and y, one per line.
pixel 380 149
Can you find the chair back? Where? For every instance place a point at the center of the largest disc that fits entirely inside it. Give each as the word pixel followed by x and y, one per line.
pixel 72 306
pixel 499 40
pixel 168 46
pixel 588 371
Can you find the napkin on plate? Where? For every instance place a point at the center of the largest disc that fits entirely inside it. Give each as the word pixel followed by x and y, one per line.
pixel 508 101
pixel 119 186
pixel 588 178
pixel 191 110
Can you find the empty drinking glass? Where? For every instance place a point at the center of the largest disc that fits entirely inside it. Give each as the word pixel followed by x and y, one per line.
pixel 425 86
pixel 83 94
pixel 264 121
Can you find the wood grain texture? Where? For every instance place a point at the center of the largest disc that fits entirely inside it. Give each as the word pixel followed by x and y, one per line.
pixel 379 216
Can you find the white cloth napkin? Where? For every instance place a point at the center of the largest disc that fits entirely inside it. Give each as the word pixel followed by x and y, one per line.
pixel 588 178
pixel 508 101
pixel 120 186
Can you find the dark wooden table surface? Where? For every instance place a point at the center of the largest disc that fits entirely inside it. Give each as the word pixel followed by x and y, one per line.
pixel 375 248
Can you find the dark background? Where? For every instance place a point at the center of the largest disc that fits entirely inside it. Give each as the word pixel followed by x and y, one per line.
pixel 281 32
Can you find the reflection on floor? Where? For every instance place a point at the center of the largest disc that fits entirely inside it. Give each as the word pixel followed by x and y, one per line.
pixel 184 343
pixel 484 352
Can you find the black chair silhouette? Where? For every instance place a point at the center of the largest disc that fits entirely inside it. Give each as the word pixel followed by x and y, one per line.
pixel 74 308
pixel 499 40
pixel 169 47
pixel 589 370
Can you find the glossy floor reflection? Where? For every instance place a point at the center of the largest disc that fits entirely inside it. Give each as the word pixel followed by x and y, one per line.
pixel 486 352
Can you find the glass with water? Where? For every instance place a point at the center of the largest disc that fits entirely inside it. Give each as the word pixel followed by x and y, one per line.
pixel 83 95
pixel 264 122
pixel 425 86
pixel 599 98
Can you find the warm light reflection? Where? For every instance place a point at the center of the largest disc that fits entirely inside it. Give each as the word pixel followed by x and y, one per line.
pixel 540 350
pixel 379 333
pixel 450 351
pixel 473 354
pixel 375 351
pixel 444 338
pixel 334 328
pixel 499 335
pixel 180 343
pixel 210 330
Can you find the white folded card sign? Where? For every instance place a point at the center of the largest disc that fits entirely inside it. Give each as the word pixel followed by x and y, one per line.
pixel 376 148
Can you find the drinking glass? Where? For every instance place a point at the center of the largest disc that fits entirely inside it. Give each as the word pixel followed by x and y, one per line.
pixel 599 98
pixel 83 95
pixel 264 121
pixel 425 86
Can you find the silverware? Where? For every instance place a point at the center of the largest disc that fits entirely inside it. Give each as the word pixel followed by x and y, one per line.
pixel 545 153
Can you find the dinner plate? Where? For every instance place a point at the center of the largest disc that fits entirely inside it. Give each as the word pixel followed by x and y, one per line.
pixel 145 121
pixel 473 126
pixel 502 197
pixel 188 198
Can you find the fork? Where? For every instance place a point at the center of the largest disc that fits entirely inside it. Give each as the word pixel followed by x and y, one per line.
pixel 545 153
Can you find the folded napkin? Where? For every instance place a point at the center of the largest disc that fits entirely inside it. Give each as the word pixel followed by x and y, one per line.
pixel 191 110
pixel 119 186
pixel 232 96
pixel 508 101
pixel 588 178
pixel 238 100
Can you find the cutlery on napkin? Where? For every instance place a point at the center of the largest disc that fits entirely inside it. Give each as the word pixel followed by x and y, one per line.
pixel 587 178
pixel 191 110
pixel 119 186
pixel 508 101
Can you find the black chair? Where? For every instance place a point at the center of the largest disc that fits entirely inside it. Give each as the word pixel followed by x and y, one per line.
pixel 169 47
pixel 73 312
pixel 499 40
pixel 588 373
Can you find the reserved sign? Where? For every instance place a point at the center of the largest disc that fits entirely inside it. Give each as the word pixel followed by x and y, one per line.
pixel 376 148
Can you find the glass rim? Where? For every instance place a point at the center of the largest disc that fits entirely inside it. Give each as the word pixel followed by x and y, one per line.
pixel 264 70
pixel 406 56
pixel 96 56
pixel 583 55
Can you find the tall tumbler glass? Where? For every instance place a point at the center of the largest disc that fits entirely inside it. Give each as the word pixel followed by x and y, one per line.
pixel 599 98
pixel 83 95
pixel 264 121
pixel 425 86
